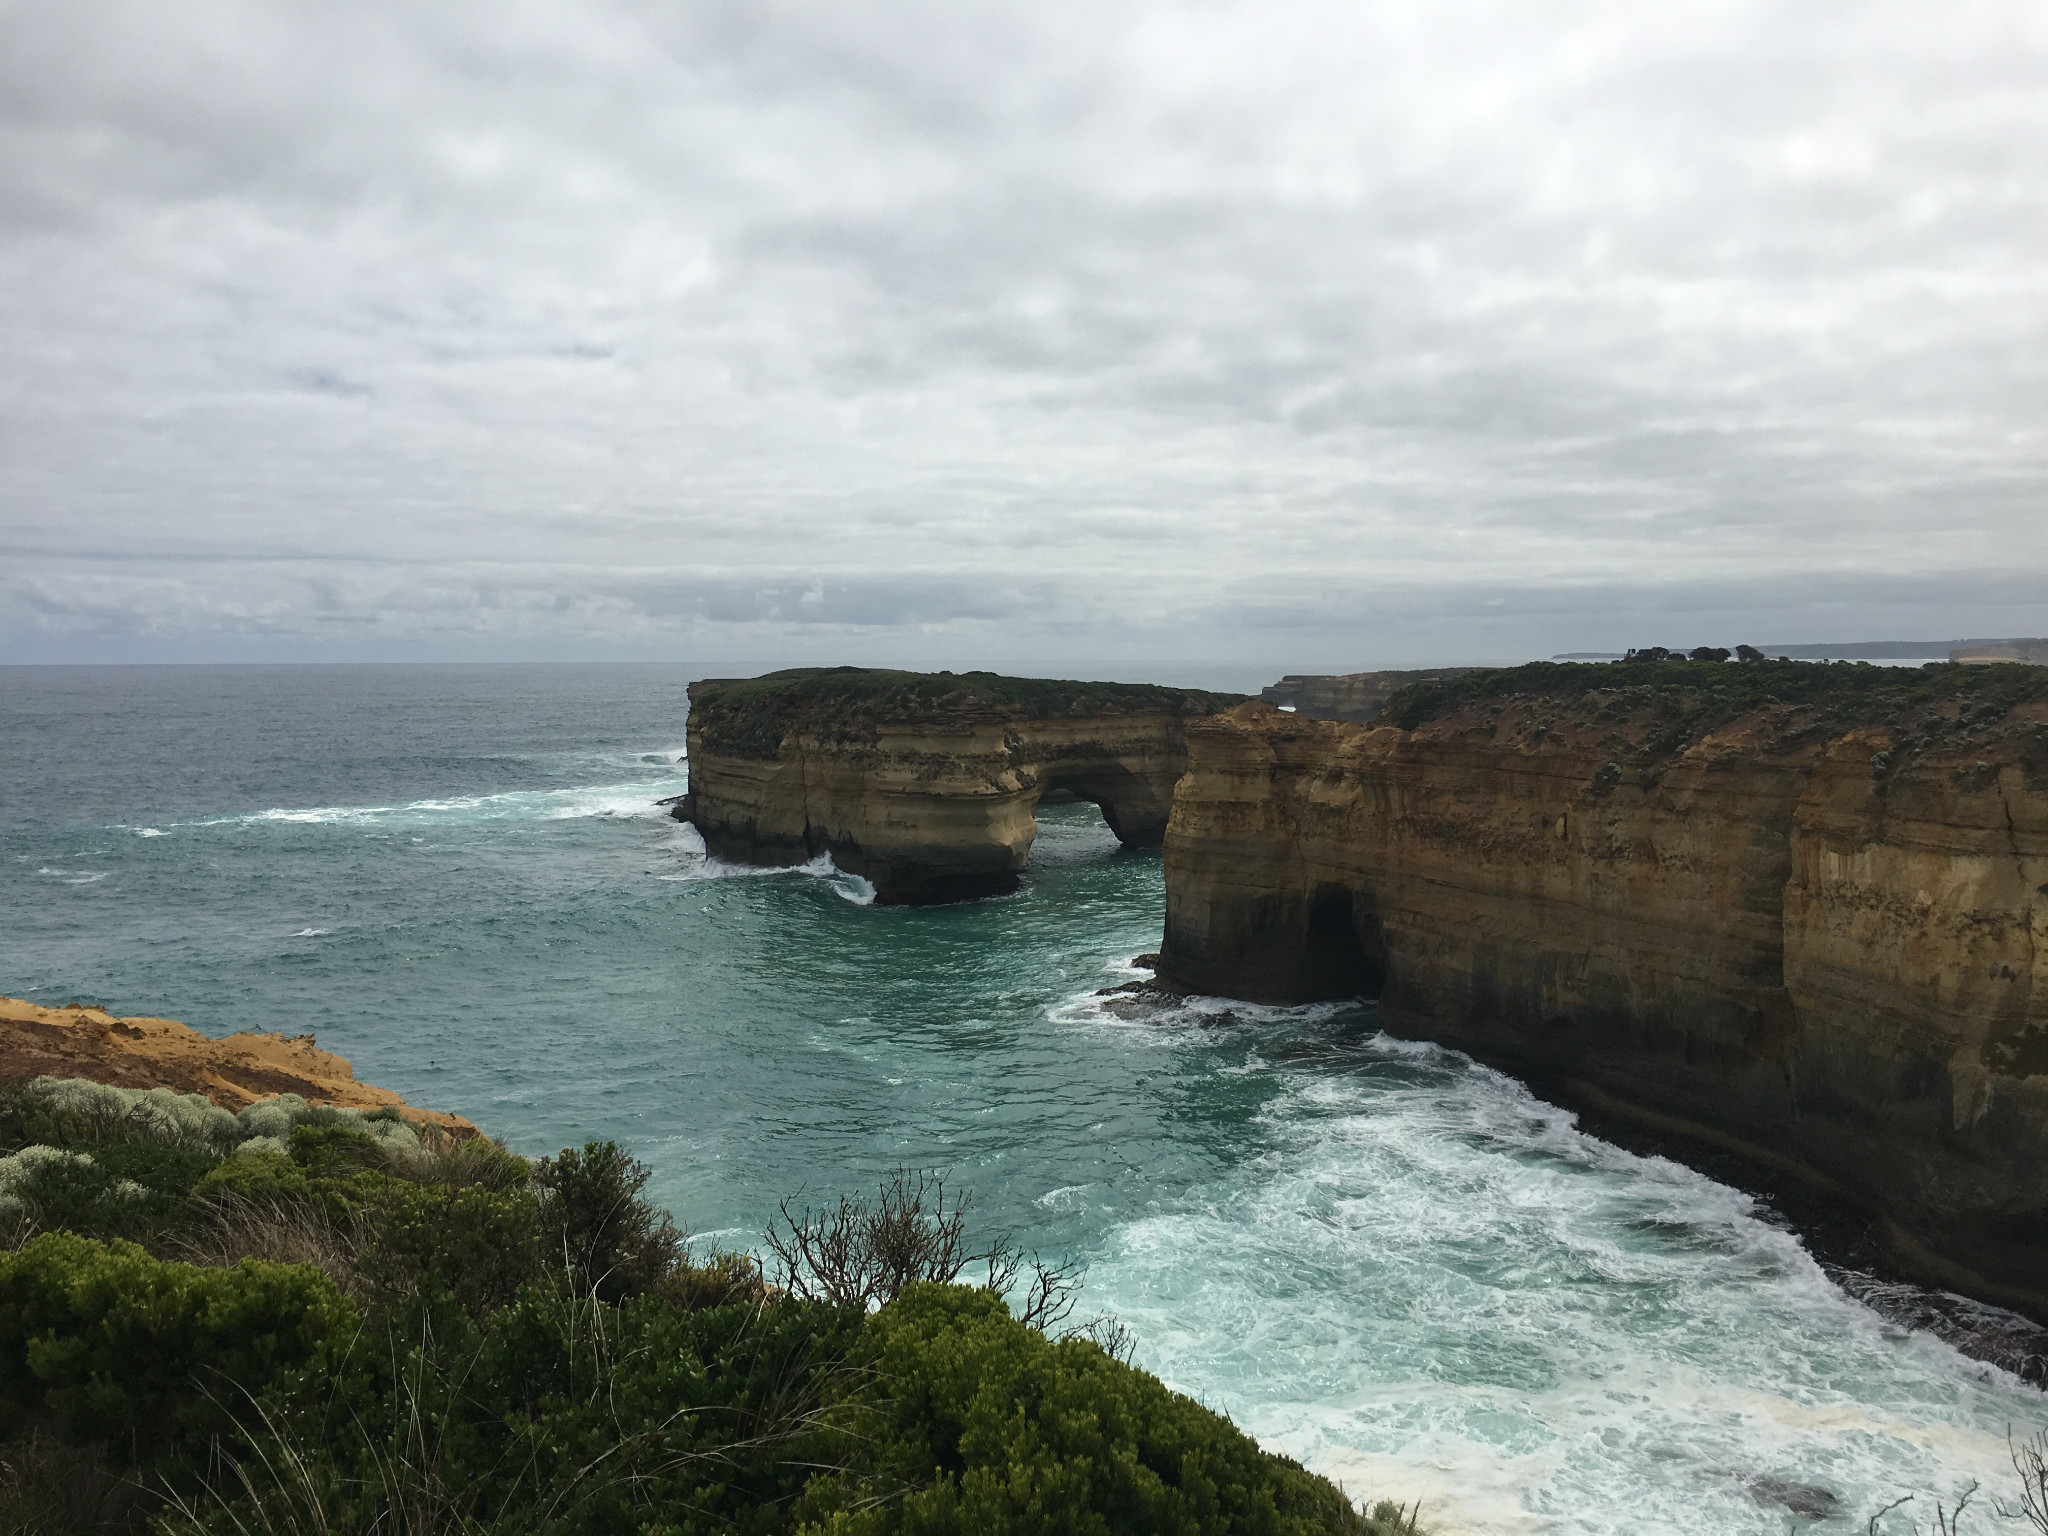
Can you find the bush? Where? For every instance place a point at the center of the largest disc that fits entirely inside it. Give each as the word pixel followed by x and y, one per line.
pixel 116 1345
pixel 994 1428
pixel 255 1178
pixel 42 1189
pixel 65 1111
pixel 558 1414
pixel 334 1150
pixel 607 1235
pixel 476 1246
pixel 720 1281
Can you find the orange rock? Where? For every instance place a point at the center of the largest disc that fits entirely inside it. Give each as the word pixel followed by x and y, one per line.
pixel 234 1071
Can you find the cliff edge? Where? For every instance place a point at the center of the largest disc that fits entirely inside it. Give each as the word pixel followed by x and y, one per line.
pixel 926 784
pixel 1796 911
pixel 234 1071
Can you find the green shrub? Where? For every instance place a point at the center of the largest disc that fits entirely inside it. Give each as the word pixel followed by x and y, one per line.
pixel 104 1188
pixel 1701 695
pixel 334 1150
pixel 476 1246
pixel 995 1428
pixel 45 1189
pixel 257 1178
pixel 719 1281
pixel 609 1237
pixel 556 1416
pixel 67 1111
pixel 116 1345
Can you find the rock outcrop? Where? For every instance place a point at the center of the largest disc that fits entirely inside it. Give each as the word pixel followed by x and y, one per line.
pixel 233 1071
pixel 1812 931
pixel 1348 695
pixel 925 784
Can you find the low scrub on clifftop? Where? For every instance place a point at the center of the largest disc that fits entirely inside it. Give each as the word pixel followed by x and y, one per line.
pixel 309 1320
pixel 748 717
pixel 1699 695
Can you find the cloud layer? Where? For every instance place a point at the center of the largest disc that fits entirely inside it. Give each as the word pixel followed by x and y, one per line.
pixel 918 332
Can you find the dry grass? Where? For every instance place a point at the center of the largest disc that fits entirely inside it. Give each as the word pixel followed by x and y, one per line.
pixel 458 1162
pixel 238 1229
pixel 48 1488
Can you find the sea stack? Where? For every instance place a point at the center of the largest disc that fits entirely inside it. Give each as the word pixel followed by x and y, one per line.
pixel 926 784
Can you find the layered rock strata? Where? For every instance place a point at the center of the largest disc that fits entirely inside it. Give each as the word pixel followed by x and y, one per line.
pixel 1816 936
pixel 233 1071
pixel 925 784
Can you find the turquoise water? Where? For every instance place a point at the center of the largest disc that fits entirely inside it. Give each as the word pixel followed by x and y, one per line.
pixel 1374 1255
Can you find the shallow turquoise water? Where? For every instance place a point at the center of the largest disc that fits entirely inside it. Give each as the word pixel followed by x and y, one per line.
pixel 1374 1255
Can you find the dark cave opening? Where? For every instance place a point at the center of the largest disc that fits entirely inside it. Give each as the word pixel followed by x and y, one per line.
pixel 1336 960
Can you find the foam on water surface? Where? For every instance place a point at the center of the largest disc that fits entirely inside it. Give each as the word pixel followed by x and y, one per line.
pixel 1427 1280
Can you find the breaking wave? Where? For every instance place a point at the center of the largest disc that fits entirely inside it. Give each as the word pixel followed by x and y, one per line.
pixel 634 800
pixel 1424 1278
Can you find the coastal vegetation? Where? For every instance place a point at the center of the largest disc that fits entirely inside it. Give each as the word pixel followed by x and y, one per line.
pixel 308 1319
pixel 748 717
pixel 1695 696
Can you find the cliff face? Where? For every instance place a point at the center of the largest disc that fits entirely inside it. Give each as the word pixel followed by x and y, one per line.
pixel 1815 937
pixel 234 1071
pixel 925 784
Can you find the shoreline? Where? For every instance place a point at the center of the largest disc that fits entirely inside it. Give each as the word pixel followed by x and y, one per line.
pixel 1846 1239
pixel 82 1040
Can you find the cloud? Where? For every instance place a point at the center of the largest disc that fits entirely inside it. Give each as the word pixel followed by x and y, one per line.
pixel 1089 331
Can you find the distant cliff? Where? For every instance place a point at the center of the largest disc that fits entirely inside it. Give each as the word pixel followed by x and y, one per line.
pixel 925 783
pixel 1798 911
pixel 1348 695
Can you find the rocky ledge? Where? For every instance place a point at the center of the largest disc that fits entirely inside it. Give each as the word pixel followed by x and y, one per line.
pixel 81 1041
pixel 926 783
pixel 1795 912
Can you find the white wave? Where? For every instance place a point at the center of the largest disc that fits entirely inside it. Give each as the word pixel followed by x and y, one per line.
pixel 1066 1198
pixel 148 832
pixel 1434 1284
pixel 1166 1014
pixel 695 863
pixel 312 933
pixel 629 800
pixel 74 876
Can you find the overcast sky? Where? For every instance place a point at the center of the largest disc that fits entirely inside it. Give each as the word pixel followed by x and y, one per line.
pixel 967 333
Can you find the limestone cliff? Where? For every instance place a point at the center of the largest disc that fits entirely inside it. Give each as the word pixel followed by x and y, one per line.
pixel 1798 911
pixel 925 784
pixel 233 1071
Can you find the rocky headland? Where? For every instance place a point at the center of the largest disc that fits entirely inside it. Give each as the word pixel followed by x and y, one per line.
pixel 1796 913
pixel 234 1071
pixel 926 783
pixel 1349 695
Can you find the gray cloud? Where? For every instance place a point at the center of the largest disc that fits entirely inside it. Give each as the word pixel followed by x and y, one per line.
pixel 934 332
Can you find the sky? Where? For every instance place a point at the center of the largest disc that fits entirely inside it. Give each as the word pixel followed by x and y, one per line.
pixel 1318 336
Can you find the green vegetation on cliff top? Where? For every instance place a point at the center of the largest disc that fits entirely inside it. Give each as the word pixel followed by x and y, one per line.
pixel 747 717
pixel 310 1320
pixel 1703 694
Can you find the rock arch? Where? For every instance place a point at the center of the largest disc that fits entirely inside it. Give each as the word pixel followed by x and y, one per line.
pixel 926 784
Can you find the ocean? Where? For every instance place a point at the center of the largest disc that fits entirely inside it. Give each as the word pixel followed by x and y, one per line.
pixel 1376 1256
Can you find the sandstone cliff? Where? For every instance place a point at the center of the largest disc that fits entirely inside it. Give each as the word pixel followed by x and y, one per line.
pixel 925 784
pixel 1798 911
pixel 234 1071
